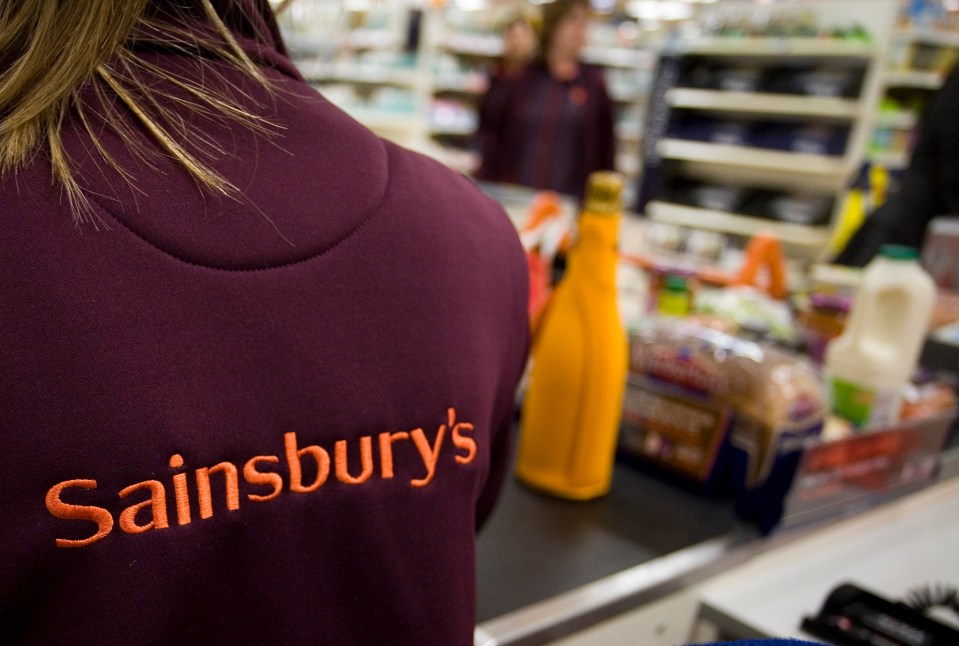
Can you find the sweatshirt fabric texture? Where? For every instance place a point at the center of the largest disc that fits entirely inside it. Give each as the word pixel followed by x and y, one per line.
pixel 278 419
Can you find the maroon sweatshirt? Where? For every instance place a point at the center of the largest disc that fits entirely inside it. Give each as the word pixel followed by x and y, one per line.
pixel 273 420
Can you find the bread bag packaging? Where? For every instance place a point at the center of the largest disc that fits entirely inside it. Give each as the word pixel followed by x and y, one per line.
pixel 727 413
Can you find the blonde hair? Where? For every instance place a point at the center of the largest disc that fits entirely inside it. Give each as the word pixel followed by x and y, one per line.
pixel 51 51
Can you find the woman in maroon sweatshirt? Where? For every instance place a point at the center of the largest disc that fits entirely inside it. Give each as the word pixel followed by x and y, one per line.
pixel 257 366
pixel 550 126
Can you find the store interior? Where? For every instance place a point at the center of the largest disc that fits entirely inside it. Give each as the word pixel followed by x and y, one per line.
pixel 747 485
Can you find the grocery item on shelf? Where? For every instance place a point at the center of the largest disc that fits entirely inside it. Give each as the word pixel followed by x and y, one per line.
pixel 806 209
pixel 572 406
pixel 868 366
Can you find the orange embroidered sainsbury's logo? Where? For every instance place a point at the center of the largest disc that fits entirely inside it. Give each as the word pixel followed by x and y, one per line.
pixel 257 473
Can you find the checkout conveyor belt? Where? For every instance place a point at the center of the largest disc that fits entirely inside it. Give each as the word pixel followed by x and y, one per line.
pixel 538 555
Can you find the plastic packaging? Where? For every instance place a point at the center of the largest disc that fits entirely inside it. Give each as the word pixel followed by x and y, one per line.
pixel 675 299
pixel 711 406
pixel 572 408
pixel 868 366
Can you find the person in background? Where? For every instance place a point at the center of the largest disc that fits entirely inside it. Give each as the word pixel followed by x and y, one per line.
pixel 554 124
pixel 929 187
pixel 257 367
pixel 519 48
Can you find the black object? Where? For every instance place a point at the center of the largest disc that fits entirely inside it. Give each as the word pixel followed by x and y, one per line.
pixel 929 597
pixel 851 616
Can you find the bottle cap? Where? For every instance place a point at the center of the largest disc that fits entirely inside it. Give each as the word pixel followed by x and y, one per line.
pixel 604 192
pixel 899 252
pixel 675 284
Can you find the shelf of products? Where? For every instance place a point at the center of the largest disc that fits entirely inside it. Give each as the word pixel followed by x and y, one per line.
pixel 761 119
pixel 906 119
pixel 763 103
pixel 743 156
pixel 441 58
pixel 919 60
pixel 775 47
pixel 937 37
pixel 743 225
pixel 920 79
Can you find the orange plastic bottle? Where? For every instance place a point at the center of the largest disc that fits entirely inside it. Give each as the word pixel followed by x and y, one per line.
pixel 572 407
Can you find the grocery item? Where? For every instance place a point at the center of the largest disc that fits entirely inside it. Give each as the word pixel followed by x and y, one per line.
pixel 674 297
pixel 868 366
pixel 822 320
pixel 850 219
pixel 709 405
pixel 544 211
pixel 571 410
pixel 750 311
pixel 764 252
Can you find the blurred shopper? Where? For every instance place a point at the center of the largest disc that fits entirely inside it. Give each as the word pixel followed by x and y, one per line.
pixel 519 47
pixel 257 366
pixel 929 187
pixel 554 124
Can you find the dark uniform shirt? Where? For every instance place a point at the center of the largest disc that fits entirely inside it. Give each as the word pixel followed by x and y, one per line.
pixel 929 187
pixel 545 133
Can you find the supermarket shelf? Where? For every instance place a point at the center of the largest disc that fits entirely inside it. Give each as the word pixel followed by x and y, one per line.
pixel 640 59
pixel 356 74
pixel 629 131
pixel 914 79
pixel 380 120
pixel 628 95
pixel 929 36
pixel 451 131
pixel 475 46
pixel 774 160
pixel 890 160
pixel 763 103
pixel 742 225
pixel 460 85
pixel 902 119
pixel 775 47
pixel 371 39
pixel 628 164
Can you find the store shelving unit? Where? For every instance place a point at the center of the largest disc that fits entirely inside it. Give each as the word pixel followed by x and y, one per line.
pixel 918 79
pixel 795 170
pixel 736 224
pixel 763 103
pixel 467 44
pixel 797 47
pixel 749 157
pixel 358 59
pixel 428 99
pixel 919 60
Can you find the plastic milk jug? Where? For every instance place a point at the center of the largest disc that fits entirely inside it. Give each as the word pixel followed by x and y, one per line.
pixel 870 363
pixel 572 408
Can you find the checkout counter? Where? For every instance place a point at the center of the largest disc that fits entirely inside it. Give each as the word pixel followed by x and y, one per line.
pixel 654 563
pixel 657 563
